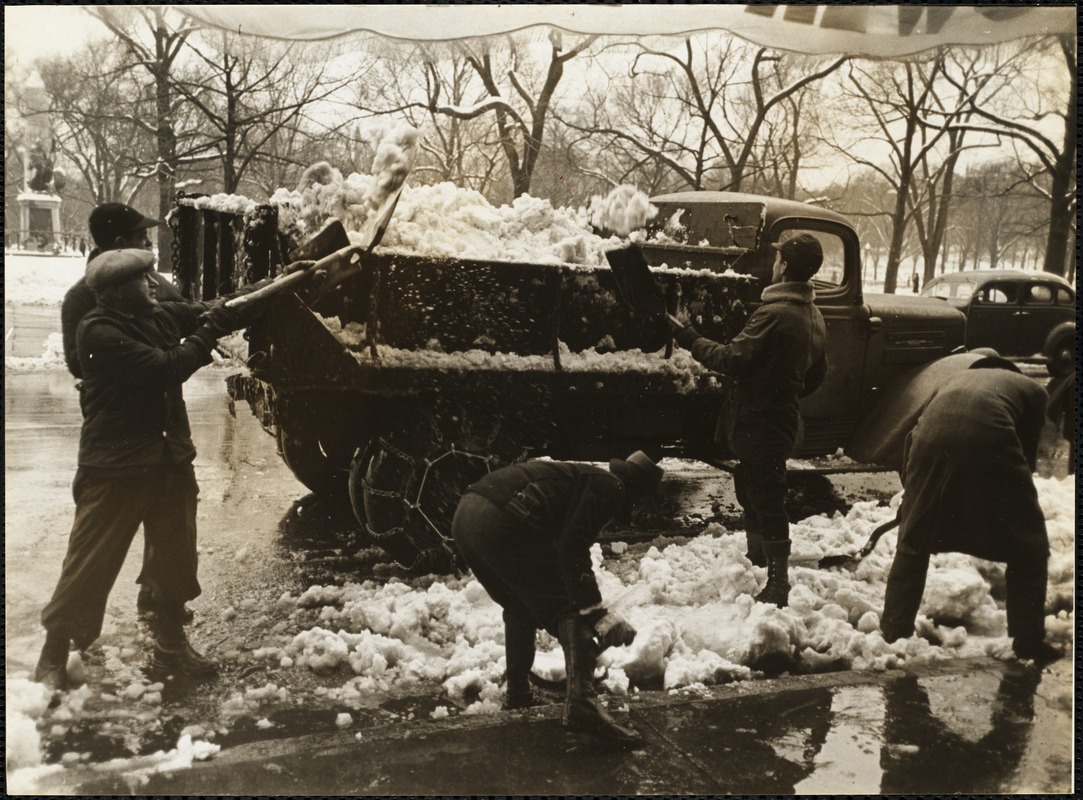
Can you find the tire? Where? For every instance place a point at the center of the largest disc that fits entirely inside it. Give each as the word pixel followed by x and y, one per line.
pixel 406 485
pixel 1062 358
pixel 306 458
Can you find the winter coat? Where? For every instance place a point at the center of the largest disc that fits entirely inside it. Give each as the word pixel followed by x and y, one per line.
pixel 777 358
pixel 563 506
pixel 80 300
pixel 133 368
pixel 968 468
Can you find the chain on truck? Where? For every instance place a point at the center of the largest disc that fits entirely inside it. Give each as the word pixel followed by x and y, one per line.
pixel 416 375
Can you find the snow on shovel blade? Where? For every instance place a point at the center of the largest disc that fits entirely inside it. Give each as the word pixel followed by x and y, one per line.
pixel 636 287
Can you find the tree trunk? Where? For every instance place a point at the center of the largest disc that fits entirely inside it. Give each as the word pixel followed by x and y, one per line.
pixel 167 167
pixel 1060 207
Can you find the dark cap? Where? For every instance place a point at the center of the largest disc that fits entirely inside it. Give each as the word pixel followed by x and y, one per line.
pixel 803 255
pixel 639 471
pixel 116 266
pixel 110 220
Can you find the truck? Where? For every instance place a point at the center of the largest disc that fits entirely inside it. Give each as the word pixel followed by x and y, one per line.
pixel 418 375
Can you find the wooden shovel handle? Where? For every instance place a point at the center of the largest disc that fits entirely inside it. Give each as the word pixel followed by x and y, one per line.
pixel 283 282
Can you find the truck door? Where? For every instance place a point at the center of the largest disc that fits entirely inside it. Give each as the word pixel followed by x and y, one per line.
pixel 832 412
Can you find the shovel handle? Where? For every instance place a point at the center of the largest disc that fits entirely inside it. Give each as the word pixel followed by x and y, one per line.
pixel 283 282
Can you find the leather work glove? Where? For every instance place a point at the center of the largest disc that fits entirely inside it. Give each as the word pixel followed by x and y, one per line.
pixel 613 630
pixel 222 319
pixel 683 332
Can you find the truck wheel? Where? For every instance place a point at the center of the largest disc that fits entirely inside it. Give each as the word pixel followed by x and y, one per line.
pixel 1062 358
pixel 310 464
pixel 406 485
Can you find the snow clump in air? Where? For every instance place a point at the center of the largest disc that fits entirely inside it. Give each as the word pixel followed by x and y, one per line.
pixel 623 210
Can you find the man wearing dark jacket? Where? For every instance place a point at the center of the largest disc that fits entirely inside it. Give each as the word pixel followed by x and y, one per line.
pixel 113 226
pixel 135 461
pixel 526 531
pixel 777 358
pixel 968 487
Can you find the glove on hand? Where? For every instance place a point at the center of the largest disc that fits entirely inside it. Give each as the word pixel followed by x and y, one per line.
pixel 613 630
pixel 222 319
pixel 684 333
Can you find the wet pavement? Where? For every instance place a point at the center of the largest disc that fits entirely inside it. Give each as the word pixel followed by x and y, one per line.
pixel 965 727
pixel 971 727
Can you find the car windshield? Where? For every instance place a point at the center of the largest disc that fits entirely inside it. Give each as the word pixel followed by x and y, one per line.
pixel 959 290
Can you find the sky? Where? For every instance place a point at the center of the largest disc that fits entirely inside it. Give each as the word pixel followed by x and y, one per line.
pixel 31 32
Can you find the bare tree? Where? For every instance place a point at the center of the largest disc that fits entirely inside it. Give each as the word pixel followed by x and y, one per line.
pixel 94 102
pixel 1020 120
pixel 248 92
pixel 706 111
pixel 155 45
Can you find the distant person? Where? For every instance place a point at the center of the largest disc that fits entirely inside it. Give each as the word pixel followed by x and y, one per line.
pixel 526 531
pixel 113 226
pixel 135 461
pixel 968 487
pixel 776 359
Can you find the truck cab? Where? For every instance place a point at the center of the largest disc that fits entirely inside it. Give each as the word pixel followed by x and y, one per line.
pixel 870 339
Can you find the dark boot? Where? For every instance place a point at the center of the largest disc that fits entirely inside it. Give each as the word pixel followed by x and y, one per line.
pixel 754 540
pixel 1037 650
pixel 777 590
pixel 902 598
pixel 173 654
pixel 52 668
pixel 519 648
pixel 582 711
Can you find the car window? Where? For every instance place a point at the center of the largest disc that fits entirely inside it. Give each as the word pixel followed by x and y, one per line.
pixel 1038 294
pixel 1064 297
pixel 945 289
pixel 997 294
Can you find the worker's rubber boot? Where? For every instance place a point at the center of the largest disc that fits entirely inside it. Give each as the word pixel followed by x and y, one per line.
pixel 519 649
pixel 754 541
pixel 52 667
pixel 172 652
pixel 582 711
pixel 777 589
pixel 902 598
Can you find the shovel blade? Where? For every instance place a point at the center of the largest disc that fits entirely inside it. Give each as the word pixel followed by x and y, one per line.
pixel 331 237
pixel 636 287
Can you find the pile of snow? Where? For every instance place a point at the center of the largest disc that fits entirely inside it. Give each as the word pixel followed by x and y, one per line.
pixel 40 280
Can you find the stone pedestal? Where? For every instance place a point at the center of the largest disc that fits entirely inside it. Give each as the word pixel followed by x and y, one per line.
pixel 39 221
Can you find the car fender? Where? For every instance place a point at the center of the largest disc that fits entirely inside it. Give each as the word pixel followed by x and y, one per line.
pixel 1063 329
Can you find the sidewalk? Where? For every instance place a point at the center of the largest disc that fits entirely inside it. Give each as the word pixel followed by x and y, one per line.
pixel 975 726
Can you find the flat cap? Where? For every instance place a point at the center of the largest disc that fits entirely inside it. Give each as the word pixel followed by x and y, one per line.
pixel 116 266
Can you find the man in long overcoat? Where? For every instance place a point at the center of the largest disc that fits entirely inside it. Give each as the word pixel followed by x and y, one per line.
pixel 526 531
pixel 968 486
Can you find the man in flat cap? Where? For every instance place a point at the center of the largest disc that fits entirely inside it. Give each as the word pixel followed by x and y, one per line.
pixel 776 359
pixel 135 461
pixel 526 531
pixel 113 226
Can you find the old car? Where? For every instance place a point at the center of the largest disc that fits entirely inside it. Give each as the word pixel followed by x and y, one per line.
pixel 1025 315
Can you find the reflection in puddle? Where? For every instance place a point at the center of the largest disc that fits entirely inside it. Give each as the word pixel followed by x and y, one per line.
pixel 849 760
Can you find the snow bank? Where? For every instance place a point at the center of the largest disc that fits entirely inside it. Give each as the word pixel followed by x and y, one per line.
pixel 692 603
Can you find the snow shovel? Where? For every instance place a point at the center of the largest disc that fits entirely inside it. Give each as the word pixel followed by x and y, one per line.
pixel 342 269
pixel 853 559
pixel 337 266
pixel 636 287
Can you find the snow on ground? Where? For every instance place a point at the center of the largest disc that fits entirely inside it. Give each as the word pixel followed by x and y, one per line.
pixel 689 598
